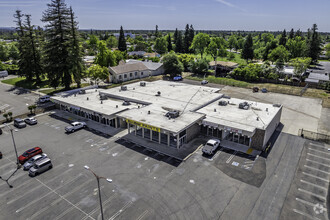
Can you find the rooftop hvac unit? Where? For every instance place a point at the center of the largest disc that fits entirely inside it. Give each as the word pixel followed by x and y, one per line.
pixel 142 83
pixel 244 105
pixel 172 114
pixel 223 103
pixel 158 93
pixel 126 103
pixel 123 88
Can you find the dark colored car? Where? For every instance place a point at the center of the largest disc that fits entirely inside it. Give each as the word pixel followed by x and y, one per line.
pixel 28 154
pixel 19 123
pixel 264 90
pixel 255 89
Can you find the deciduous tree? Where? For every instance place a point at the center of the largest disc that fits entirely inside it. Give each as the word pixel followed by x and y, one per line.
pixel 200 43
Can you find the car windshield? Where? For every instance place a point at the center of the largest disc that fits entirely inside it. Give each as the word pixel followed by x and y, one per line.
pixel 209 144
pixel 25 154
pixel 208 147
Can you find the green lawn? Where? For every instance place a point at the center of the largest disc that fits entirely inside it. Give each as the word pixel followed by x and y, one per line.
pixel 237 58
pixel 223 81
pixel 22 82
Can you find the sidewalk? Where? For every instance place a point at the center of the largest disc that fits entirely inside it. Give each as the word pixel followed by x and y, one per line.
pixel 117 132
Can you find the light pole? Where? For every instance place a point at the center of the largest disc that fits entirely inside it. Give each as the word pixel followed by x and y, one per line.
pixel 98 186
pixel 17 162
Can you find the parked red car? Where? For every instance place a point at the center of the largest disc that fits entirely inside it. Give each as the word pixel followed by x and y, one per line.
pixel 28 154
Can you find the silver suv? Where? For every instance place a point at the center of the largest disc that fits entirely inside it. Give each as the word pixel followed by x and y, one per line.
pixel 28 164
pixel 40 167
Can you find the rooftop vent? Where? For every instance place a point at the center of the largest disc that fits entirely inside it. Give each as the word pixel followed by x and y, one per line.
pixel 126 103
pixel 244 105
pixel 158 93
pixel 223 103
pixel 123 88
pixel 142 83
pixel 172 114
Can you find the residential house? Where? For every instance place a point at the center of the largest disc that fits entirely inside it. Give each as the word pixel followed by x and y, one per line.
pixel 134 69
pixel 222 68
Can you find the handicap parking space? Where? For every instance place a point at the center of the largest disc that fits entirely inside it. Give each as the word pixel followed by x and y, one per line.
pixel 307 198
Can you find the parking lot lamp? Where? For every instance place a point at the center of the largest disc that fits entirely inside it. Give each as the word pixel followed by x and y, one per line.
pixel 17 163
pixel 98 186
pixel 12 136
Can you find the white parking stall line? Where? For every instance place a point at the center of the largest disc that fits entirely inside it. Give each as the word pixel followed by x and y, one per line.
pixel 13 178
pixel 313 194
pixel 231 157
pixel 320 146
pixel 324 158
pixel 36 200
pixel 309 203
pixel 16 187
pixel 306 215
pixel 22 195
pixel 97 208
pixel 216 155
pixel 312 168
pixel 320 151
pixel 64 198
pixel 313 184
pixel 127 205
pixel 58 200
pixel 143 215
pixel 316 177
pixel 5 165
pixel 313 161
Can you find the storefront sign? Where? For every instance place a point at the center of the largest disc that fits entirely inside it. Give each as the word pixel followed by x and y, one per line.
pixel 233 130
pixel 143 125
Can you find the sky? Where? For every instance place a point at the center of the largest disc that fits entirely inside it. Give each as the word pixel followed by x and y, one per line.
pixel 251 15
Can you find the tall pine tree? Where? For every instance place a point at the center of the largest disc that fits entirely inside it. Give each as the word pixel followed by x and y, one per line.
pixel 247 52
pixel 291 35
pixel 186 40
pixel 58 32
pixel 283 38
pixel 122 41
pixel 169 43
pixel 178 43
pixel 191 36
pixel 175 36
pixel 156 32
pixel 314 47
pixel 75 55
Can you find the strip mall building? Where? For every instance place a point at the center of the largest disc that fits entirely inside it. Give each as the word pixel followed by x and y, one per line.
pixel 172 114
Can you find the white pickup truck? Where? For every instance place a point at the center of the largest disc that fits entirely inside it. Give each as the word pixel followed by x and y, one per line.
pixel 211 146
pixel 75 126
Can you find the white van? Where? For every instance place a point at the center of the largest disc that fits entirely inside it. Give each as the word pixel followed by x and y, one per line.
pixel 45 98
pixel 40 167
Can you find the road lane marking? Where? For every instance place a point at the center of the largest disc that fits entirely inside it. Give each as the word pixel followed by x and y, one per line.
pixel 97 208
pixel 324 158
pixel 231 157
pixel 59 199
pixel 308 203
pixel 313 161
pixel 317 177
pixel 320 151
pixel 143 215
pixel 64 199
pixel 36 200
pixel 312 168
pixel 320 146
pixel 306 215
pixel 216 155
pixel 313 194
pixel 313 184
pixel 13 178
pixel 127 205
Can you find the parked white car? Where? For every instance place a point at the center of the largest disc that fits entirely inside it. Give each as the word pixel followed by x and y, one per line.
pixel 28 164
pixel 75 126
pixel 211 146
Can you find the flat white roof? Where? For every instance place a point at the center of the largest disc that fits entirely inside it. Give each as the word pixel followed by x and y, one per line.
pixel 233 117
pixel 109 106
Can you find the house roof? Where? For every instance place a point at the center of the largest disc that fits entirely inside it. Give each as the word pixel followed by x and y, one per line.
pixel 223 63
pixel 128 67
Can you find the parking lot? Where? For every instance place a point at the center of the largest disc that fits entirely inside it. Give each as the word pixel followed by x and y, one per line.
pixel 146 184
pixel 308 195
